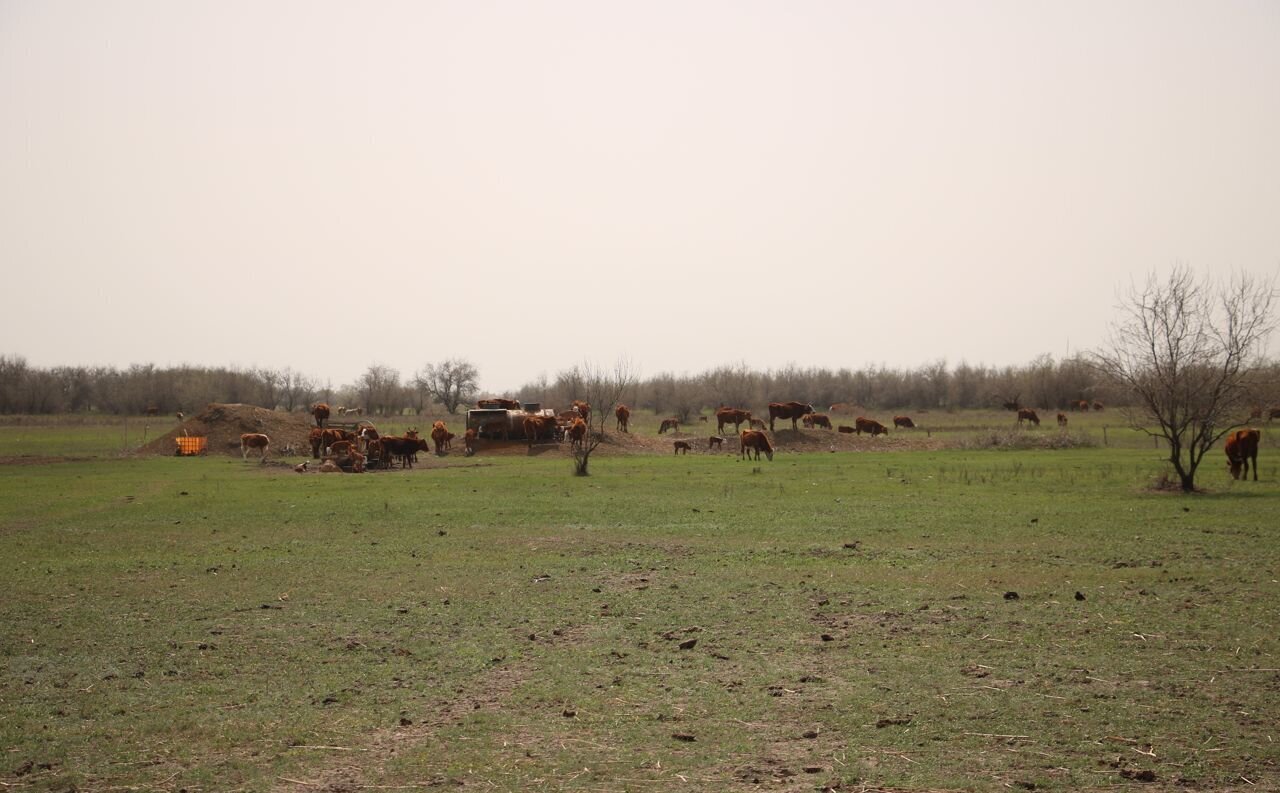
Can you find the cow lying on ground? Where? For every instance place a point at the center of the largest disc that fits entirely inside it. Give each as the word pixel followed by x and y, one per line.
pixel 254 440
pixel 904 421
pixel 734 416
pixel 862 424
pixel 1027 414
pixel 669 424
pixel 681 446
pixel 1241 449
pixel 754 441
pixel 788 410
pixel 844 428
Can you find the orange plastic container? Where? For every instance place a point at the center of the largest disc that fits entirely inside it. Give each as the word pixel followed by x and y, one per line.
pixel 191 445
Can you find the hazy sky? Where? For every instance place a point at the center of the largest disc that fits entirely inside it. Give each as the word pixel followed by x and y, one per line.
pixel 326 185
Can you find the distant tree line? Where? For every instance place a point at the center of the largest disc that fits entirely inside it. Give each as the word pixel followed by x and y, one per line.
pixel 452 385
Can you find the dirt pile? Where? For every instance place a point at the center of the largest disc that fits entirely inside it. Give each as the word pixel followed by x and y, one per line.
pixel 223 424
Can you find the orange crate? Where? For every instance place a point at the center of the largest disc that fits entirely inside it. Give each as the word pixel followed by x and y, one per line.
pixel 191 445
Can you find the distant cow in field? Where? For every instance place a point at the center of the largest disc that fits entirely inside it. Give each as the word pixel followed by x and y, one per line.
pixel 756 424
pixel 904 421
pixel 754 441
pixel 469 442
pixel 844 428
pixel 577 432
pixel 254 440
pixel 862 424
pixel 734 416
pixel 714 442
pixel 180 416
pixel 152 410
pixel 623 414
pixel 1241 449
pixel 1079 404
pixel 788 410
pixel 1027 414
pixel 669 424
pixel 1097 406
pixel 439 436
pixel 842 409
pixel 680 446
pixel 321 413
pixel 1062 419
pixel 817 420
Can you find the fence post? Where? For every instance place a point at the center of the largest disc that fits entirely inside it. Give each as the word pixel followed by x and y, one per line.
pixel 1104 435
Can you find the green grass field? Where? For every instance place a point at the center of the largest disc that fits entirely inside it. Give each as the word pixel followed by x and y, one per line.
pixel 822 621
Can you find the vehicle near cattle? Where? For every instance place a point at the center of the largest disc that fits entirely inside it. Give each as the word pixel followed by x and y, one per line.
pixel 754 441
pixel 507 423
pixel 862 424
pixel 788 410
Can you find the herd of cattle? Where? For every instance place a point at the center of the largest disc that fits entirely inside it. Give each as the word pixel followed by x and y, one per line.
pixel 355 451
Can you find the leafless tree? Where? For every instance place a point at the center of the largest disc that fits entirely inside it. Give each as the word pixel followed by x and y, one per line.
pixel 602 388
pixel 450 382
pixel 379 386
pixel 1183 351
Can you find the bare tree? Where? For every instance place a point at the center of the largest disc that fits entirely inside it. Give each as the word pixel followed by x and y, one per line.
pixel 379 387
pixel 450 382
pixel 1184 351
pixel 602 389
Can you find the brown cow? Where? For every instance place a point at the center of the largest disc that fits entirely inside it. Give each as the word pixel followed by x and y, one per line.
pixel 577 432
pixel 1062 419
pixel 788 410
pixel 817 420
pixel 1241 448
pixel 623 414
pixel 583 408
pixel 439 436
pixel 669 424
pixel 733 416
pixel 681 446
pixel 1079 404
pixel 404 448
pixel 254 440
pixel 862 424
pixel 843 428
pixel 469 442
pixel 316 439
pixel 498 403
pixel 342 449
pixel 538 428
pixel 842 409
pixel 1027 414
pixel 714 442
pixel 1097 406
pixel 754 441
pixel 321 412
pixel 904 421
pixel 756 424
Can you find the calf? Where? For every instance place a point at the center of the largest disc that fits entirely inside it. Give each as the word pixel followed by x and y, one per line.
pixel 681 446
pixel 714 442
pixel 669 424
pixel 845 428
pixel 904 422
pixel 469 442
pixel 1062 419
pixel 254 440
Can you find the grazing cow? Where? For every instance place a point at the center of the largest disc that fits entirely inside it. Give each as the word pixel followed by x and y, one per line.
pixel 680 446
pixel 817 420
pixel 623 414
pixel 844 428
pixel 756 424
pixel 904 421
pixel 469 442
pixel 669 424
pixel 539 427
pixel 714 442
pixel 1027 414
pixel 439 436
pixel 862 424
pixel 583 409
pixel 1062 419
pixel 254 440
pixel 754 441
pixel 788 410
pixel 321 412
pixel 732 416
pixel 1241 449
pixel 1097 406
pixel 577 432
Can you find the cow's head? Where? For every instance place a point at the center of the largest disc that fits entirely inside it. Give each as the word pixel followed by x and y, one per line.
pixel 1235 466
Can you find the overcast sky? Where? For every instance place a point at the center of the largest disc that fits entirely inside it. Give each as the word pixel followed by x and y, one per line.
pixel 326 185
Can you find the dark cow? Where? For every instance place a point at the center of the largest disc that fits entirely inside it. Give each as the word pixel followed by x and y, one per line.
pixel 734 416
pixel 681 446
pixel 321 412
pixel 1097 406
pixel 754 441
pixel 788 410
pixel 1027 414
pixel 1241 449
pixel 623 414
pixel 1062 419
pixel 404 448
pixel 714 442
pixel 862 424
pixel 669 424
pixel 817 420
pixel 843 428
pixel 254 440
pixel 904 421
pixel 316 439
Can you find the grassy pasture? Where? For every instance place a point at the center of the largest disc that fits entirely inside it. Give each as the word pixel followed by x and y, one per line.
pixel 204 624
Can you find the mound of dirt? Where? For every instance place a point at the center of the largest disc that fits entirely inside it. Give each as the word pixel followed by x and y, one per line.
pixel 223 424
